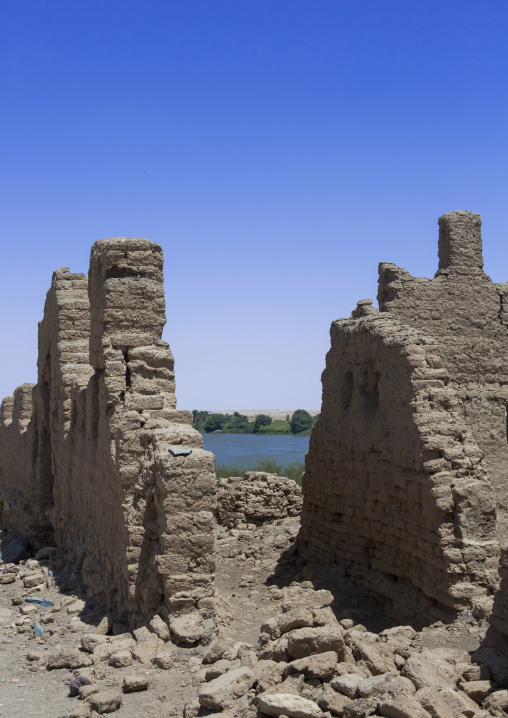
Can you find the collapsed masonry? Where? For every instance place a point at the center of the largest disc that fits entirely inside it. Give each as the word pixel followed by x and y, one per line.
pixel 96 457
pixel 406 476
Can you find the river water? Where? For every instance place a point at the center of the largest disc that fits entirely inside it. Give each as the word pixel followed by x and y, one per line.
pixel 245 450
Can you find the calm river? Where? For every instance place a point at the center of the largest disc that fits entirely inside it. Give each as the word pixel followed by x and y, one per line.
pixel 244 450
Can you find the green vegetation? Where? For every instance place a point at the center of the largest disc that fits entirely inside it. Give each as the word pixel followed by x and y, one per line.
pixel 261 420
pixel 292 470
pixel 236 424
pixel 300 423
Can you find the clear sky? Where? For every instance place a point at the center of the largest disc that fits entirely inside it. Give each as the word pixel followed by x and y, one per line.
pixel 276 149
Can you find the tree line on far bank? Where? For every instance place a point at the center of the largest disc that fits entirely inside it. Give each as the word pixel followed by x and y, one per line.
pixel 301 422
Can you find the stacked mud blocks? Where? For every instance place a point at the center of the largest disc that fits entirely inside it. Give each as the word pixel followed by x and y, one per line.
pixel 118 474
pixel 405 479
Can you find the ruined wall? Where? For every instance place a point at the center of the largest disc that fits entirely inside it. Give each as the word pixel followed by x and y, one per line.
pixel 255 498
pixel 20 498
pixel 467 313
pixel 396 485
pixel 127 485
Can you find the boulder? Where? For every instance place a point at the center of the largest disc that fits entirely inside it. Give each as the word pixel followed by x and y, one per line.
pixel 68 659
pixel 220 692
pixel 305 641
pixel 401 706
pixel 321 665
pixel 188 628
pixel 478 690
pixel 498 700
pixel 90 641
pixel 346 684
pixel 459 702
pixel 105 701
pixel 434 703
pixel 330 700
pixel 134 683
pixel 425 669
pixel 360 708
pixel 377 685
pixel 122 659
pixel 214 652
pixel 286 704
pixel 218 669
pixel 268 674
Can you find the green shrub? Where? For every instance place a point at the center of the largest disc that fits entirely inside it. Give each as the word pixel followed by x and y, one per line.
pixel 301 421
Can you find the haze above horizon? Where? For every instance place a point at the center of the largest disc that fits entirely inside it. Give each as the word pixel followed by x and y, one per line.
pixel 277 152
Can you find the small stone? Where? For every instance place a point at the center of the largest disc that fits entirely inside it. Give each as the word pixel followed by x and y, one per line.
pixel 6 578
pixel 28 610
pixel 163 660
pixel 89 641
pixel 104 626
pixel 77 684
pixel 86 691
pixel 122 659
pixel 68 659
pixel 360 708
pixel 219 668
pixel 34 656
pixel 76 607
pixel 135 683
pixel 105 701
pixel 34 579
pixel 187 628
pixel 160 629
pixel 214 652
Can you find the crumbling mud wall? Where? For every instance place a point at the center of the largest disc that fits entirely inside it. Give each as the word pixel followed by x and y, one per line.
pixel 468 315
pixel 20 497
pixel 397 487
pixel 123 479
pixel 255 498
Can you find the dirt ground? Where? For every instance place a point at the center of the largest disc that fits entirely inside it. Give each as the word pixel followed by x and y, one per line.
pixel 253 565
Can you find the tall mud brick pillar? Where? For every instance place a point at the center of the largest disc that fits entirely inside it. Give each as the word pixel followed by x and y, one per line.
pixel 405 479
pixel 152 498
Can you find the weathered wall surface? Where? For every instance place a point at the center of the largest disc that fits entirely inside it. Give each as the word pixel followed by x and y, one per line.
pixel 125 482
pixel 397 486
pixel 255 498
pixel 467 314
pixel 20 498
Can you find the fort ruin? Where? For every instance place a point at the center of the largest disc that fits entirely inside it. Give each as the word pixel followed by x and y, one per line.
pixel 406 476
pixel 96 457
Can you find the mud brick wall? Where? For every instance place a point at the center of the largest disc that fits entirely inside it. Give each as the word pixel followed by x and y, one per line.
pixel 399 486
pixel 20 498
pixel 104 436
pixel 467 314
pixel 255 498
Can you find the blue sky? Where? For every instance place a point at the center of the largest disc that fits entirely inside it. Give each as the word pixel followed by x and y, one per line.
pixel 276 149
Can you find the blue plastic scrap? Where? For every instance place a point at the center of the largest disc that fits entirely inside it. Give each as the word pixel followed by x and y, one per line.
pixel 38 629
pixel 44 602
pixel 179 451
